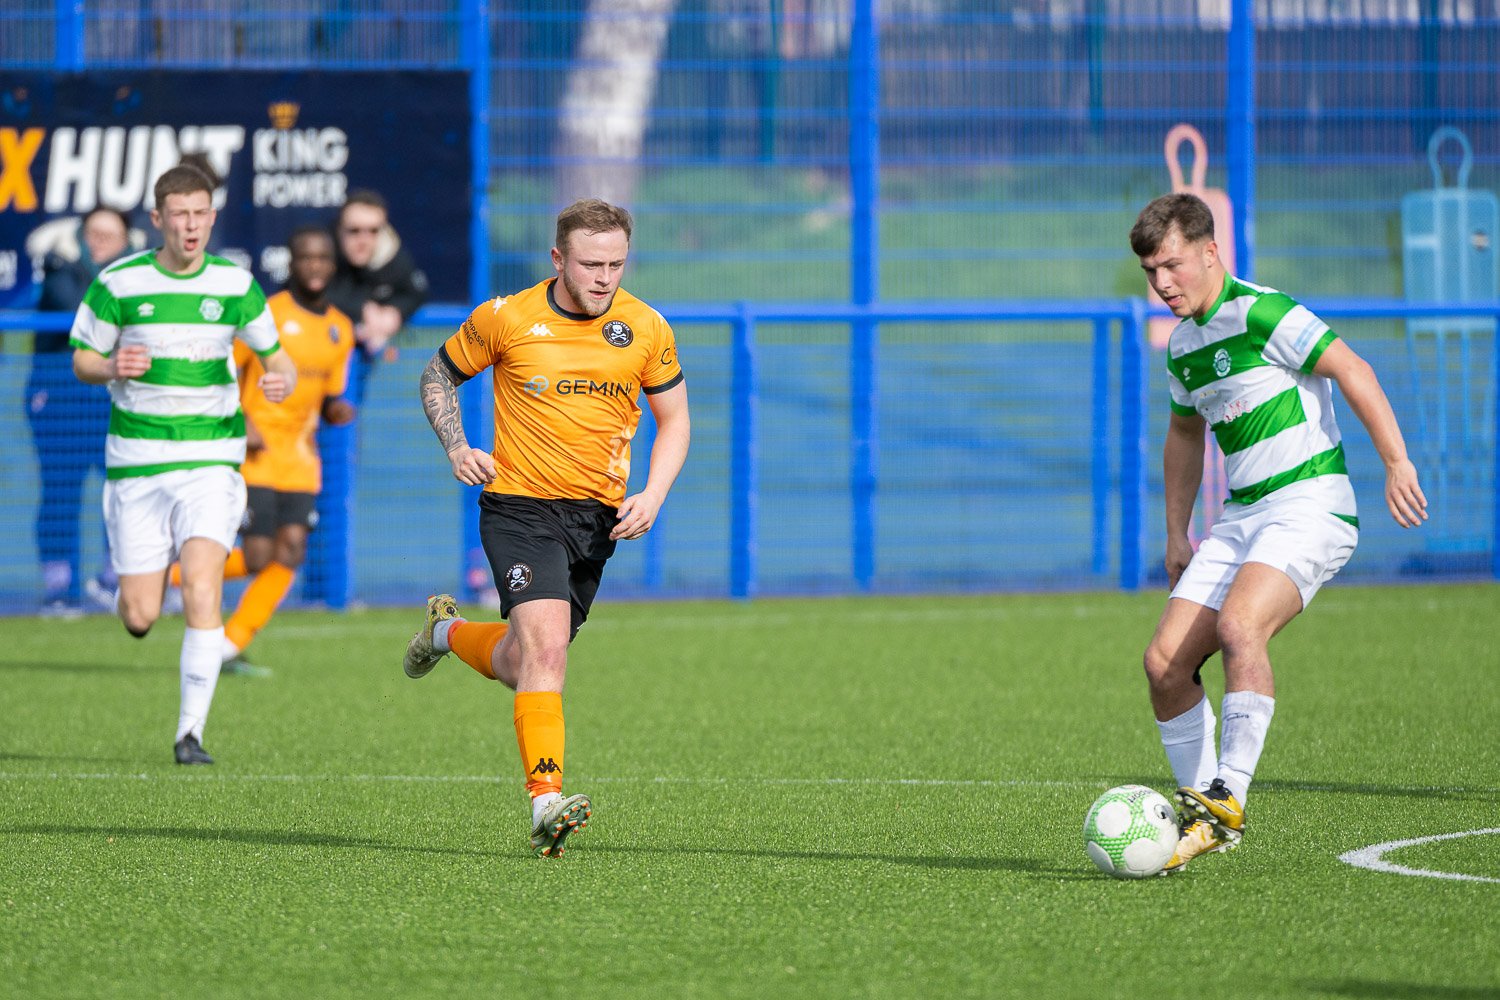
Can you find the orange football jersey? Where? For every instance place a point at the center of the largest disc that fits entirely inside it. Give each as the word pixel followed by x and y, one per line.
pixel 320 344
pixel 566 386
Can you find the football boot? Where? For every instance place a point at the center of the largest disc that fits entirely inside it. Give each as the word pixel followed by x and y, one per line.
pixel 189 751
pixel 420 656
pixel 1198 837
pixel 557 821
pixel 1216 806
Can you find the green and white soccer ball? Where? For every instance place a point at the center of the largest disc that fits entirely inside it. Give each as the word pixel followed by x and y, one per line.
pixel 1130 832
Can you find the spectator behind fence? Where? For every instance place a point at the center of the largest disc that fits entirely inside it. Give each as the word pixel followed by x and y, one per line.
pixel 68 418
pixel 377 282
pixel 378 285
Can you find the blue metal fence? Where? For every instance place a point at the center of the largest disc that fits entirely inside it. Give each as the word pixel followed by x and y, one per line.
pixel 810 180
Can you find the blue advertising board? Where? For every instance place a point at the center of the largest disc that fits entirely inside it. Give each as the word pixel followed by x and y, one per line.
pixel 287 146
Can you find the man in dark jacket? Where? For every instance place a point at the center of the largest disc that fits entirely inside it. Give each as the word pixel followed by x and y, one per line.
pixel 379 286
pixel 377 283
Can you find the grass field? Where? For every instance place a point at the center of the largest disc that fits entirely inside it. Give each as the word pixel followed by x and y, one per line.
pixel 831 798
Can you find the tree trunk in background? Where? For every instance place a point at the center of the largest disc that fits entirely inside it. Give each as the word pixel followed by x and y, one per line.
pixel 602 120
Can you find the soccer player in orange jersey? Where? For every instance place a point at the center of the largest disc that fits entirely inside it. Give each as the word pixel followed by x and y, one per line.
pixel 282 471
pixel 568 358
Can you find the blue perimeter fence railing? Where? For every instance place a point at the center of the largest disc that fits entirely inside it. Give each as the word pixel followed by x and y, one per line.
pixel 862 153
pixel 1118 392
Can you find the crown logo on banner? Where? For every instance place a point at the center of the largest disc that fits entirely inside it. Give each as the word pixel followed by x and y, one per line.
pixel 283 114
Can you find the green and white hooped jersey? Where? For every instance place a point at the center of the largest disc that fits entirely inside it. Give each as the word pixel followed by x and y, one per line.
pixel 184 412
pixel 1247 368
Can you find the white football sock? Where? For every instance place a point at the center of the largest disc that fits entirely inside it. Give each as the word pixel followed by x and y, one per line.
pixel 1247 716
pixel 540 803
pixel 440 634
pixel 199 667
pixel 1189 742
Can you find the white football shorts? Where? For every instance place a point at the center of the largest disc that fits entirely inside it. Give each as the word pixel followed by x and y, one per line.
pixel 149 517
pixel 1297 536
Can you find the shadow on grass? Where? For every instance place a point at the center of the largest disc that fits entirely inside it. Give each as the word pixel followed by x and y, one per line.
pixel 1028 866
pixel 1378 990
pixel 76 668
pixel 1412 791
pixel 271 838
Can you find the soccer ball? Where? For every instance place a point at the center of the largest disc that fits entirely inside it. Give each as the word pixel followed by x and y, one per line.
pixel 1130 832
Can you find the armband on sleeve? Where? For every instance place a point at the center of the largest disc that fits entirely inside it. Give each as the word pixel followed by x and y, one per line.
pixel 455 374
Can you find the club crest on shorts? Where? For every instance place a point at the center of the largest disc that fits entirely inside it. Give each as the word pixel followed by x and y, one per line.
pixel 618 334
pixel 518 578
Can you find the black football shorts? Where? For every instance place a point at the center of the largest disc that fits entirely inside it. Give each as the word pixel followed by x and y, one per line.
pixel 546 549
pixel 266 510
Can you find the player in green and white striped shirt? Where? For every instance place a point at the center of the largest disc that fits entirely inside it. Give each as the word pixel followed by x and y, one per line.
pixel 1257 369
pixel 158 328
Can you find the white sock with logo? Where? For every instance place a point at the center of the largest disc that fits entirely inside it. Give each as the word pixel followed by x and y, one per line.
pixel 440 634
pixel 1188 740
pixel 199 669
pixel 539 805
pixel 1247 717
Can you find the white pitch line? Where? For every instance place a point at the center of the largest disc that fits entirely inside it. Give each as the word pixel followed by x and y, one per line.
pixel 198 775
pixel 1372 857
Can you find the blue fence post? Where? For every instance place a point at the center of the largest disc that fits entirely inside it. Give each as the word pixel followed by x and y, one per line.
pixel 330 554
pixel 473 568
pixel 1099 449
pixel 69 41
pixel 744 456
pixel 651 553
pixel 864 267
pixel 1240 133
pixel 1133 350
pixel 474 411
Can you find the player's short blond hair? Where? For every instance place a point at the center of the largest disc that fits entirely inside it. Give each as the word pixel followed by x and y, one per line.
pixel 591 215
pixel 1186 213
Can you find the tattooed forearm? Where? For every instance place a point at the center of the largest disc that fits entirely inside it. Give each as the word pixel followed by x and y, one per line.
pixel 440 400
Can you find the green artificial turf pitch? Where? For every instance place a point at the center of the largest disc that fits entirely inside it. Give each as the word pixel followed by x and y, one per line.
pixel 874 797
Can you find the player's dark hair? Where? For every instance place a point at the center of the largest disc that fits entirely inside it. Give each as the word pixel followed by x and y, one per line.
pixel 1186 213
pixel 304 231
pixel 182 179
pixel 591 215
pixel 201 161
pixel 362 196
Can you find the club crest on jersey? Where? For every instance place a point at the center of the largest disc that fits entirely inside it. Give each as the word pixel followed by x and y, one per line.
pixel 518 578
pixel 618 334
pixel 211 310
pixel 1221 362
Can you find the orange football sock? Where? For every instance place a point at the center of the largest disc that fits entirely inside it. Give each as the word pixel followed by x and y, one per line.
pixel 539 732
pixel 259 602
pixel 234 568
pixel 475 642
